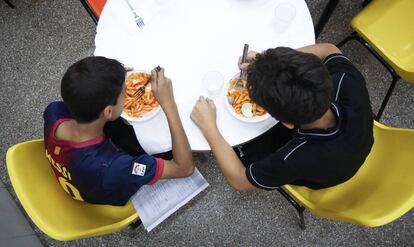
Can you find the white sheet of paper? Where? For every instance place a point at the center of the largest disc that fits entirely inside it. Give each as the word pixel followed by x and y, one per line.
pixel 154 203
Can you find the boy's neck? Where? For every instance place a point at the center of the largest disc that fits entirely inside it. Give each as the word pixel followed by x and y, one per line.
pixel 80 132
pixel 328 120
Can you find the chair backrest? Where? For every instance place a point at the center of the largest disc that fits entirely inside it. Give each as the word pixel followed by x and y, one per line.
pixel 94 8
pixel 97 6
pixel 380 192
pixel 50 207
pixel 387 27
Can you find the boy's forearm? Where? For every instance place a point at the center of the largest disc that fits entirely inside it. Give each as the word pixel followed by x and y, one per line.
pixel 180 147
pixel 321 50
pixel 230 165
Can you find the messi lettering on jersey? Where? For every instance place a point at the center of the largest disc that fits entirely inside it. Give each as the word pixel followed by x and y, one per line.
pixel 64 177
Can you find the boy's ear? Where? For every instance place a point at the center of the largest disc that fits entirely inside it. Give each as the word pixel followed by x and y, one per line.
pixel 288 125
pixel 108 112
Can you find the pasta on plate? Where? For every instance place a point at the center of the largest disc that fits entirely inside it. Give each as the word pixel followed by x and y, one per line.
pixel 134 107
pixel 238 97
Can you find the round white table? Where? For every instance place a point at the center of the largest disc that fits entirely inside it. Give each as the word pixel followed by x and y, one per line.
pixel 189 38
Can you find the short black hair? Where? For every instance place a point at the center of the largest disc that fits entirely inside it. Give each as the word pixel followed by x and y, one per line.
pixel 292 86
pixel 90 85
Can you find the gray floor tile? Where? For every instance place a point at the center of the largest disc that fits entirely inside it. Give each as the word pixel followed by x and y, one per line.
pixel 24 241
pixel 12 223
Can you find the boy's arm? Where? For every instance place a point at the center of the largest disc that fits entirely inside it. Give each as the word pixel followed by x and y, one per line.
pixel 204 116
pixel 182 164
pixel 320 50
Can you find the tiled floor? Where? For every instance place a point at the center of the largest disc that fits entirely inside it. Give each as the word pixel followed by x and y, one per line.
pixel 15 231
pixel 40 39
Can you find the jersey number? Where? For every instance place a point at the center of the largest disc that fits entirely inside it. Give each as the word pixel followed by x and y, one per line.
pixel 70 189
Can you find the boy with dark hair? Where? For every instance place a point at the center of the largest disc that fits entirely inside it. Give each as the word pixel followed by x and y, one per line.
pixel 89 147
pixel 325 128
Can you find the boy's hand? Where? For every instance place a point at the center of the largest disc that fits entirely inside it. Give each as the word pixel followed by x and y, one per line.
pixel 162 88
pixel 204 115
pixel 251 55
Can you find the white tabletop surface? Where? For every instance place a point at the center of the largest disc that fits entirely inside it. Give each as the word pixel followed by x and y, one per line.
pixel 189 38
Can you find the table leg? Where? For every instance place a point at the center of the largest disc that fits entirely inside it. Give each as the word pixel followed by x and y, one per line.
pixel 323 19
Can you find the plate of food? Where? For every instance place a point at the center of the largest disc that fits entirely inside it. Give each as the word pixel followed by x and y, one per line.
pixel 239 104
pixel 138 109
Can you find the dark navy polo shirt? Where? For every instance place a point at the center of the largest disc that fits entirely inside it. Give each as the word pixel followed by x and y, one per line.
pixel 320 158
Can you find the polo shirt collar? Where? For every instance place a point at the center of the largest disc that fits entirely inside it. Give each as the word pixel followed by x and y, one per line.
pixel 324 133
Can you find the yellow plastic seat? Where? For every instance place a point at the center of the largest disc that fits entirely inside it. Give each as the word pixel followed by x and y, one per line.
pixel 381 191
pixel 50 208
pixel 388 27
pixel 385 27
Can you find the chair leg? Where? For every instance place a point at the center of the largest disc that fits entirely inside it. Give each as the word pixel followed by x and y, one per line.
pixel 326 14
pixel 348 38
pixel 324 18
pixel 387 97
pixel 9 3
pixel 395 77
pixel 299 208
pixel 302 224
pixel 365 3
pixel 133 226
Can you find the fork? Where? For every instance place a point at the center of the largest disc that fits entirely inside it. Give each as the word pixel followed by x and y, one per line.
pixel 138 20
pixel 243 59
pixel 140 92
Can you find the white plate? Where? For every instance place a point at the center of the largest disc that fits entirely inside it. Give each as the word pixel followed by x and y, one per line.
pixel 240 117
pixel 147 115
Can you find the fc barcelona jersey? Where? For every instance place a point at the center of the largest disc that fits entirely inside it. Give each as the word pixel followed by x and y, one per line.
pixel 95 171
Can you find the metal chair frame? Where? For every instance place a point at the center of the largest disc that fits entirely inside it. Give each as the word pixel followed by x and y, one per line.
pixel 9 3
pixel 395 77
pixel 326 14
pixel 299 208
pixel 90 11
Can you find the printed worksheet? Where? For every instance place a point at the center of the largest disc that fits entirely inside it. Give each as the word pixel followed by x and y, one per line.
pixel 154 203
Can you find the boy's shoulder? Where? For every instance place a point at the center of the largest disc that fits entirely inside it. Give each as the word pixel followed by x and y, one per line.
pixel 339 63
pixel 56 106
pixel 56 110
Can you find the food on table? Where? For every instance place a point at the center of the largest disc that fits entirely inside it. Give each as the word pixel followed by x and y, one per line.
pixel 238 97
pixel 247 109
pixel 133 106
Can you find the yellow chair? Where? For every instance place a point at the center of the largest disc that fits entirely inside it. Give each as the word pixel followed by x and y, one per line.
pixel 51 209
pixel 381 191
pixel 385 27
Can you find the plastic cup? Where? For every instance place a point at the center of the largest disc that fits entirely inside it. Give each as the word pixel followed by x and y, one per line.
pixel 213 82
pixel 284 14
